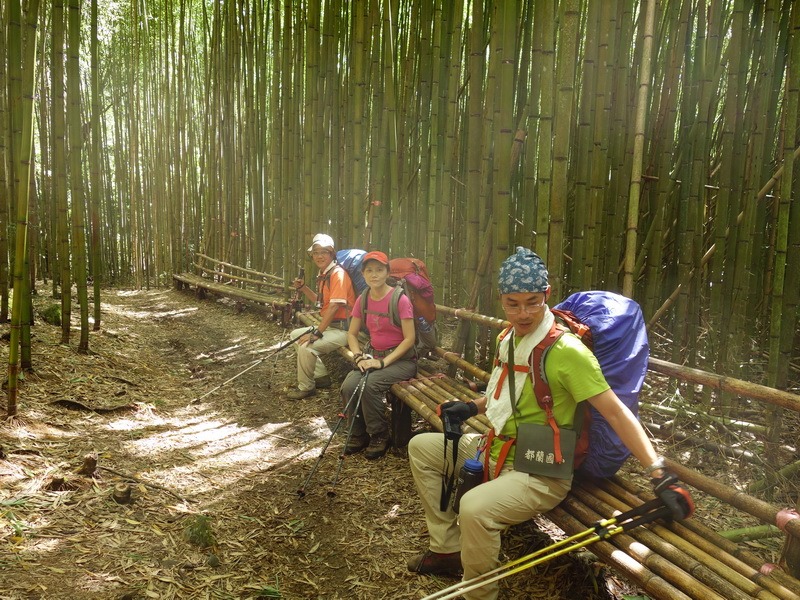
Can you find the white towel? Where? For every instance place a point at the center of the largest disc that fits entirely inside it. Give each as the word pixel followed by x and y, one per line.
pixel 498 410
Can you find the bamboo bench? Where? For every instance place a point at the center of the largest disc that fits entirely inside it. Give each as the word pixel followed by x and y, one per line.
pixel 685 560
pixel 238 283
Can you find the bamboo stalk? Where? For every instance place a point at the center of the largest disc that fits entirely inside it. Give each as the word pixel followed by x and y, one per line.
pixel 469 315
pixel 710 252
pixel 453 358
pixel 633 570
pixel 739 559
pixel 745 534
pixel 274 285
pixel 700 564
pixel 785 473
pixel 243 269
pixel 460 392
pixel 731 496
pixel 743 425
pixel 727 384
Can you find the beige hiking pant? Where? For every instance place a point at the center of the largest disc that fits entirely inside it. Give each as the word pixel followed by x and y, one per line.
pixel 309 366
pixel 485 511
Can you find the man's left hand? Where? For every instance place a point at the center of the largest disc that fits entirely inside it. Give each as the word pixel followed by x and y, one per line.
pixel 675 497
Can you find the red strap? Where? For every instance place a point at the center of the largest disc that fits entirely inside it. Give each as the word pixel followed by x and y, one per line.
pixel 500 338
pixel 504 374
pixel 540 386
pixel 556 434
pixel 486 452
pixel 542 389
pixel 501 459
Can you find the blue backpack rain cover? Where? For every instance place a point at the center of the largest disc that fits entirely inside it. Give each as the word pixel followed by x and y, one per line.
pixel 620 344
pixel 351 262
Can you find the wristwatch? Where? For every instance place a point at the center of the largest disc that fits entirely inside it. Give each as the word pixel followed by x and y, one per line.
pixel 659 463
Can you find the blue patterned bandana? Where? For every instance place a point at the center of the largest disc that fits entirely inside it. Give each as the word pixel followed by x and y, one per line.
pixel 522 272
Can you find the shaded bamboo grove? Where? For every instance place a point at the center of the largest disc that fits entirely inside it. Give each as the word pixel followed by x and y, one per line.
pixel 639 146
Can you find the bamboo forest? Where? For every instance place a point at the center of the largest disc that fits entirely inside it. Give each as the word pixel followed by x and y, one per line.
pixel 641 147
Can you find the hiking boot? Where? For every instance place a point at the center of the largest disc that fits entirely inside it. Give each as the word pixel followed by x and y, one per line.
pixel 323 382
pixel 430 562
pixel 298 394
pixel 356 444
pixel 378 445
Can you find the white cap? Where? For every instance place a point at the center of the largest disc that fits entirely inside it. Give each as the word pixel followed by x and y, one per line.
pixel 323 240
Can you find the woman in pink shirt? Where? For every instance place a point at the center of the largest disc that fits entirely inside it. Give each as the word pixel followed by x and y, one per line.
pixel 389 357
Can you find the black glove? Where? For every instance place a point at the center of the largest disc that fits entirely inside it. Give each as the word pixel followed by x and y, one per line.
pixel 674 497
pixel 453 414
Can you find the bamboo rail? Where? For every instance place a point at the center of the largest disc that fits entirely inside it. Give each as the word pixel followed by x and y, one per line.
pixel 242 269
pixel 727 384
pixel 225 290
pixel 720 382
pixel 232 277
pixel 733 497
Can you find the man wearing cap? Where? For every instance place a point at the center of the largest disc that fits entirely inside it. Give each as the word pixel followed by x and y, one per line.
pixel 470 541
pixel 389 357
pixel 335 293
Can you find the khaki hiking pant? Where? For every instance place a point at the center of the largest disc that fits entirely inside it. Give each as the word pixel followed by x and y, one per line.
pixel 485 511
pixel 309 366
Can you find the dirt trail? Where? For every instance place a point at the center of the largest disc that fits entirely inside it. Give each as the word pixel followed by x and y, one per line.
pixel 224 471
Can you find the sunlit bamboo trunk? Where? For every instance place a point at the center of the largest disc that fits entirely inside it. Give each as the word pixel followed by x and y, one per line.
pixel 638 149
pixel 562 138
pixel 5 171
pixel 58 129
pixel 45 210
pixel 95 166
pixel 78 204
pixel 23 153
pixel 545 12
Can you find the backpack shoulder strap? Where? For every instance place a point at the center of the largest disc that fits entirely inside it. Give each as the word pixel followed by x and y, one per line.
pixel 364 302
pixel 541 387
pixel 326 279
pixel 394 302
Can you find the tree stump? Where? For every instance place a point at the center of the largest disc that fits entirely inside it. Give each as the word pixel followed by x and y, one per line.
pixel 122 493
pixel 89 465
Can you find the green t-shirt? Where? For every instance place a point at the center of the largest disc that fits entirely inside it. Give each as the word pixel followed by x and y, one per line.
pixel 573 374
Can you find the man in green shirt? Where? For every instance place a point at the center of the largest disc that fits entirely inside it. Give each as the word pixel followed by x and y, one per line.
pixel 471 539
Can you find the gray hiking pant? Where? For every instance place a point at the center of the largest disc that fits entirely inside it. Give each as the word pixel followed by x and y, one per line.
pixel 371 416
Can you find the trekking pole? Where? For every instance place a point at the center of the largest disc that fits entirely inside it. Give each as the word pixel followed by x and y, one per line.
pixel 363 385
pixel 255 364
pixel 274 363
pixel 601 530
pixel 301 491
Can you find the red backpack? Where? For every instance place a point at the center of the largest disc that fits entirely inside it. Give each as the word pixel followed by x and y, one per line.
pixel 409 276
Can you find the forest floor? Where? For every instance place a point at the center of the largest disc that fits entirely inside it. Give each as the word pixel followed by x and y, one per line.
pixel 214 476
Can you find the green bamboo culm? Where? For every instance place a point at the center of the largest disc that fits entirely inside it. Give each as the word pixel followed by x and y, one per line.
pixel 78 206
pixel 96 162
pixel 23 165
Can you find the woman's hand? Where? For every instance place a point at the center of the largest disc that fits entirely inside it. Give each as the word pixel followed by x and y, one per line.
pixel 369 363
